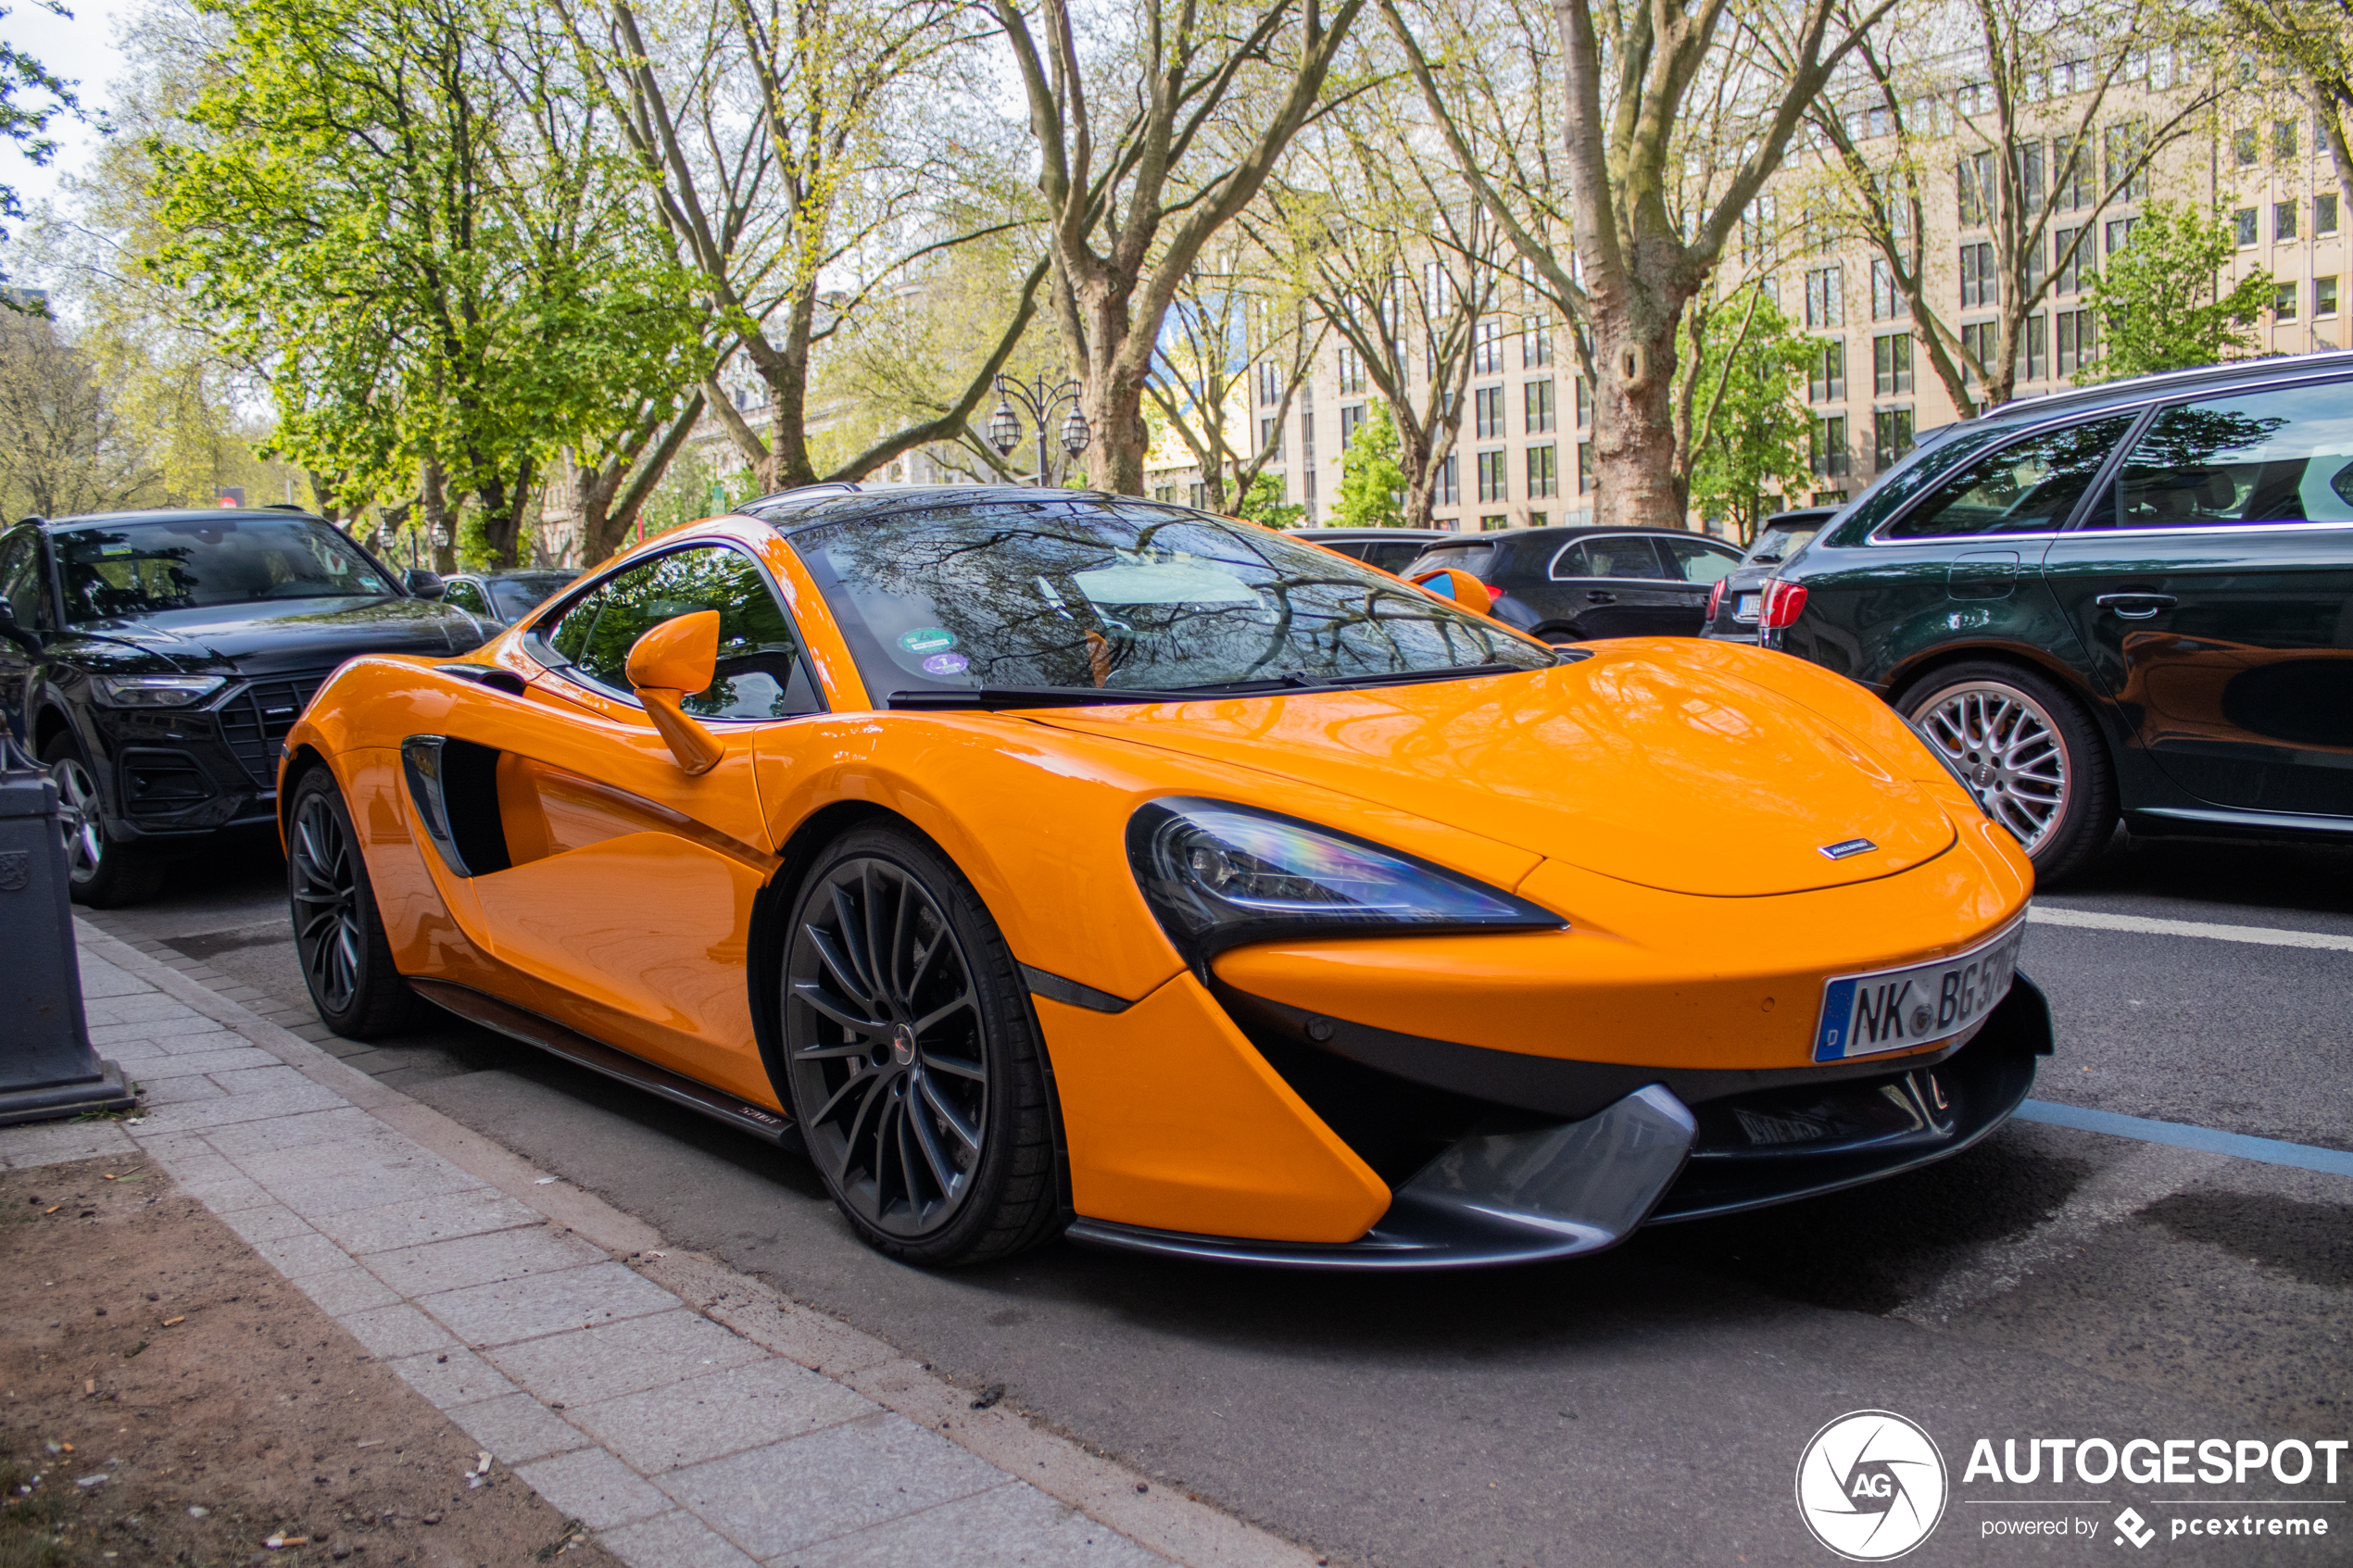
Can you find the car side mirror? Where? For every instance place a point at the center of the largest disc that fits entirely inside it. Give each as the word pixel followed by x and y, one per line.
pixel 428 585
pixel 673 661
pixel 1452 582
pixel 16 633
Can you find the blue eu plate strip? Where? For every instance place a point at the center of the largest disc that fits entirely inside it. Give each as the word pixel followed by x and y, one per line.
pixel 2271 1151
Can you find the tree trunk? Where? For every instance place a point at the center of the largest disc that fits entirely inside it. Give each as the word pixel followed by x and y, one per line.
pixel 441 526
pixel 1637 484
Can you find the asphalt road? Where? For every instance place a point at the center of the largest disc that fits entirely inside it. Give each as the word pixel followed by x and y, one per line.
pixel 1652 1403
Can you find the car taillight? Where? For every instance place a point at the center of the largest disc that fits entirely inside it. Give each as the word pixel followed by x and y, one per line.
pixel 1783 603
pixel 1494 593
pixel 1716 598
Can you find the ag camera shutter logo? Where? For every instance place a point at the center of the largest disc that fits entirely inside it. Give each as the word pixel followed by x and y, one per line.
pixel 1871 1486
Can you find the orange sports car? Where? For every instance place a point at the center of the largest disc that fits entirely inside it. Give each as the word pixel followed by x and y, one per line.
pixel 1044 862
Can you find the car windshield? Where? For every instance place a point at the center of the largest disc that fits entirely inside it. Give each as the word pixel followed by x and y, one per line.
pixel 1778 541
pixel 147 568
pixel 1473 558
pixel 514 595
pixel 1106 596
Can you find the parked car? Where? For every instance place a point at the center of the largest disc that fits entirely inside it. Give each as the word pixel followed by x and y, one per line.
pixel 1574 584
pixel 501 599
pixel 1048 863
pixel 1389 548
pixel 2133 599
pixel 155 660
pixel 1732 603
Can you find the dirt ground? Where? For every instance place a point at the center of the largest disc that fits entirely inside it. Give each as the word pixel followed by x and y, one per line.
pixel 166 1398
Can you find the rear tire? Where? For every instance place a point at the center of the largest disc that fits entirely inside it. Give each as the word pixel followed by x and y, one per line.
pixel 102 873
pixel 339 935
pixel 911 1060
pixel 2029 750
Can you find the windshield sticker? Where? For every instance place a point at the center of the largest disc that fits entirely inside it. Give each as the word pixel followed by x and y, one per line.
pixel 928 639
pixel 946 664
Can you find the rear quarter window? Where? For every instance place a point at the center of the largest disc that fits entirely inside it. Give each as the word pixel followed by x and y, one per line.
pixel 1477 559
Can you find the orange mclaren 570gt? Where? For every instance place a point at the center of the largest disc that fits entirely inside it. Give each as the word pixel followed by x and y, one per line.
pixel 1043 862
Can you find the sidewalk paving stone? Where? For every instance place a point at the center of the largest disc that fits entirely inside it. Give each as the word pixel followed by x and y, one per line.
pixel 594 1487
pixel 972 1532
pixel 517 1428
pixel 684 1423
pixel 481 1260
pixel 676 1539
pixel 587 1366
pixel 451 1378
pixel 505 1311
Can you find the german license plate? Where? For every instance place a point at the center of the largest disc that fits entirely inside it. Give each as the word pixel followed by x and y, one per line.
pixel 1896 1009
pixel 1744 606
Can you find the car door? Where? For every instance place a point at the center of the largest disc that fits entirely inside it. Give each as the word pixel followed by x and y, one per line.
pixel 21 586
pixel 2213 585
pixel 628 887
pixel 1614 585
pixel 1699 564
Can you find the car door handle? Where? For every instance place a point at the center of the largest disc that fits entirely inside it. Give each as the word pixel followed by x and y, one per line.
pixel 1598 598
pixel 2136 607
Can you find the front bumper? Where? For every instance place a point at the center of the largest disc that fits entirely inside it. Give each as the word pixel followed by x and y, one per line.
pixel 176 775
pixel 1485 1171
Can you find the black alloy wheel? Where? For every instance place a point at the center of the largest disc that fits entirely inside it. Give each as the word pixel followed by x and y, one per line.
pixel 347 959
pixel 911 1059
pixel 101 871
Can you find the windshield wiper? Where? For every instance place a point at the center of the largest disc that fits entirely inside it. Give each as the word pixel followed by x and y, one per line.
pixel 993 697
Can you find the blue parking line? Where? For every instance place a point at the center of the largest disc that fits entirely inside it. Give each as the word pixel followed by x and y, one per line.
pixel 2271 1151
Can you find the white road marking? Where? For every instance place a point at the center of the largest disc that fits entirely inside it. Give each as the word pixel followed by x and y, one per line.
pixel 2264 935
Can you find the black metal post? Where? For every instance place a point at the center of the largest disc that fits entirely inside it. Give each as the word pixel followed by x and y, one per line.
pixel 47 1069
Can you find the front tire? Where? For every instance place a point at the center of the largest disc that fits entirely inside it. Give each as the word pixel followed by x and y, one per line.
pixel 339 935
pixel 102 873
pixel 910 1057
pixel 2032 753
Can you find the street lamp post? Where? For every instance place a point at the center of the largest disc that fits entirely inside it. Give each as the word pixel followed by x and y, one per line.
pixel 1041 400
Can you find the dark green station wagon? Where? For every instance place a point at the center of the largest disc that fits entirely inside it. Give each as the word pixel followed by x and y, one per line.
pixel 2136 599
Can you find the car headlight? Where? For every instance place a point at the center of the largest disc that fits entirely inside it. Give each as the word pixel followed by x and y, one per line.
pixel 1218 875
pixel 154 691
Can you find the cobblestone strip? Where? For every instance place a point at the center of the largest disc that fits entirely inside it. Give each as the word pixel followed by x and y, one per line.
pixel 689 1414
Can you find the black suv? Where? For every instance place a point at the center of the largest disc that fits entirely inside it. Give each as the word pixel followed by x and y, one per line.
pixel 501 599
pixel 2135 598
pixel 154 662
pixel 1570 584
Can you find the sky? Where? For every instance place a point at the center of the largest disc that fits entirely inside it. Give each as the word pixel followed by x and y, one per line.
pixel 80 50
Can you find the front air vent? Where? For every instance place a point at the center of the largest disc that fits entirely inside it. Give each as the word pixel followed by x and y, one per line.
pixel 256 717
pixel 455 787
pixel 157 783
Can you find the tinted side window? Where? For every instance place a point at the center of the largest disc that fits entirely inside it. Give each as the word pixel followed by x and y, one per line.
pixel 1698 562
pixel 1473 558
pixel 761 674
pixel 2267 456
pixel 2029 486
pixel 1610 558
pixel 20 578
pixel 1393 555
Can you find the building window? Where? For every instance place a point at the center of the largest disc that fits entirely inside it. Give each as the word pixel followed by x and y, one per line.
pixel 1826 297
pixel 2324 297
pixel 1584 405
pixel 2323 215
pixel 2034 348
pixel 1494 479
pixel 2128 161
pixel 1887 301
pixel 2283 303
pixel 1978 341
pixel 2284 140
pixel 1975 180
pixel 1536 398
pixel 1270 439
pixel 1978 286
pixel 1200 495
pixel 1535 343
pixel 2030 175
pixel 1270 384
pixel 1494 524
pixel 1165 493
pixel 1826 374
pixel 2067 259
pixel 1543 475
pixel 1350 416
pixel 1448 491
pixel 1829 447
pixel 2076 341
pixel 1487 349
pixel 2119 234
pixel 1584 468
pixel 1487 405
pixel 2244 149
pixel 2243 221
pixel 2071 162
pixel 1891 435
pixel 1351 373
pixel 2283 221
pixel 1892 365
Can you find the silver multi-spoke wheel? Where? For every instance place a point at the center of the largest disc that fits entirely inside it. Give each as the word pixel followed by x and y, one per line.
pixel 887 1046
pixel 78 818
pixel 325 893
pixel 2008 749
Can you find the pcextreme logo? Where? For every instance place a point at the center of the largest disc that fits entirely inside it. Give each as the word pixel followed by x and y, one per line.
pixel 1871 1486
